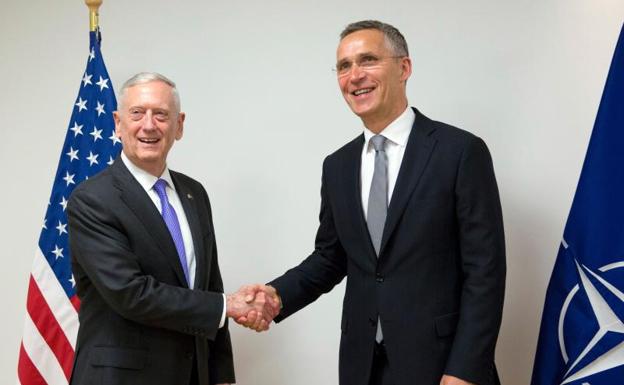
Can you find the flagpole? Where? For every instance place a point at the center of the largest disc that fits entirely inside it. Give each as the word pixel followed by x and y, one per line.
pixel 93 5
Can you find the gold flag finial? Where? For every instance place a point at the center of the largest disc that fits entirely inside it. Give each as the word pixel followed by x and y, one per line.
pixel 93 5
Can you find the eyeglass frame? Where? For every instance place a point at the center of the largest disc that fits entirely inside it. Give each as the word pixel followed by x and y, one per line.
pixel 363 66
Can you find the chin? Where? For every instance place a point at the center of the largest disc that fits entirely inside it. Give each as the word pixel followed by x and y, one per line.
pixel 363 112
pixel 148 158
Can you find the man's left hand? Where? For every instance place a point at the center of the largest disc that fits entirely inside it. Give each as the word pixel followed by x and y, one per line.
pixel 451 380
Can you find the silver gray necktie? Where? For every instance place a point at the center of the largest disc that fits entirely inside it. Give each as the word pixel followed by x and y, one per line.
pixel 378 197
pixel 378 202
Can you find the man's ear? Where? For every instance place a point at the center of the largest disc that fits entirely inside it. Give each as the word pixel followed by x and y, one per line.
pixel 406 68
pixel 117 120
pixel 180 132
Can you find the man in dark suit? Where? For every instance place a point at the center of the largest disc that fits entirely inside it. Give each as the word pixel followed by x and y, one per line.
pixel 145 259
pixel 410 214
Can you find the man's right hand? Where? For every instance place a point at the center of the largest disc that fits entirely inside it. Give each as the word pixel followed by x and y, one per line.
pixel 253 306
pixel 255 319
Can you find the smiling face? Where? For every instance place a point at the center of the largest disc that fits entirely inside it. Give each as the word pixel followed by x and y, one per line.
pixel 148 122
pixel 372 78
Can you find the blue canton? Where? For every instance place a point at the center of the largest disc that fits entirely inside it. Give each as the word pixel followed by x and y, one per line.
pixel 90 146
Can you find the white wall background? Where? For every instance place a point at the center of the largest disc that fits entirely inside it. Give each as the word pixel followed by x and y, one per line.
pixel 263 110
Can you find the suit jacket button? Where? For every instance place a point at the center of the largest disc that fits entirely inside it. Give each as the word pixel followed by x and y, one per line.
pixel 189 355
pixel 379 278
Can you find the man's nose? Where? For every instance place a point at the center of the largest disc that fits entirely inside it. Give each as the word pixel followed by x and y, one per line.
pixel 148 120
pixel 357 73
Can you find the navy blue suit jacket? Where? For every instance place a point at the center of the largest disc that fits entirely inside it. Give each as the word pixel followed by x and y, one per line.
pixel 139 322
pixel 438 284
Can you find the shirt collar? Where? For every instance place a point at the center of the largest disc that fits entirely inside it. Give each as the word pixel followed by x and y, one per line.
pixel 145 179
pixel 396 132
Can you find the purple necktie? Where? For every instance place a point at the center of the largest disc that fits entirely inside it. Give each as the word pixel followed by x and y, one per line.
pixel 171 220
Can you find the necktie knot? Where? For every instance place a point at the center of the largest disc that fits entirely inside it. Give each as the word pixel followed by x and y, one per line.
pixel 378 142
pixel 160 187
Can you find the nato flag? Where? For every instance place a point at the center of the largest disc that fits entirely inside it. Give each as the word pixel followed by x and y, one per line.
pixel 581 338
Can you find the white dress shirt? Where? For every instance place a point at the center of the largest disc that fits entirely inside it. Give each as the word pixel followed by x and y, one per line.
pixel 397 133
pixel 147 181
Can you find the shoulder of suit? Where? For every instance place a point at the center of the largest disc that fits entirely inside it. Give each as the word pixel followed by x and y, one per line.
pixel 448 133
pixel 96 190
pixel 186 181
pixel 354 145
pixel 102 181
pixel 183 178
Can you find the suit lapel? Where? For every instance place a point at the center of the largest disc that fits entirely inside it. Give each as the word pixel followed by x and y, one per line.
pixel 141 204
pixel 417 152
pixel 190 209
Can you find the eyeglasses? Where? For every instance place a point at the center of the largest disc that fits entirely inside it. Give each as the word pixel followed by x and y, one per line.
pixel 138 113
pixel 364 62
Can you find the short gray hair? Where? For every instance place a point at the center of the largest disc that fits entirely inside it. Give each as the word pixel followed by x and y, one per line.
pixel 147 77
pixel 393 36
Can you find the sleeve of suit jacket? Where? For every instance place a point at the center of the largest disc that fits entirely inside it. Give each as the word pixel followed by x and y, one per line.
pixel 318 273
pixel 220 361
pixel 102 249
pixel 482 248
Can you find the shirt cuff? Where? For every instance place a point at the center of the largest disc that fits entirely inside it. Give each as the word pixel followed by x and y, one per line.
pixel 222 323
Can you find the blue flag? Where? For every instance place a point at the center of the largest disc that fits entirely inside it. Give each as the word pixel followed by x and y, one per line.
pixel 51 325
pixel 581 338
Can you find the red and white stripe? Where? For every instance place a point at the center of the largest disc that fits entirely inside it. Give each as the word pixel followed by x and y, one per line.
pixel 50 329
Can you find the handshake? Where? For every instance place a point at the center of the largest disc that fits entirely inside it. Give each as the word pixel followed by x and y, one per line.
pixel 254 306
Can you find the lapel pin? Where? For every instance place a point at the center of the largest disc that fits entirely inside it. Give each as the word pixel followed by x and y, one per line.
pixel 189 196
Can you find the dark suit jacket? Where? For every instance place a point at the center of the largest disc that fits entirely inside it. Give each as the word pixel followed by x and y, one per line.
pixel 438 284
pixel 139 322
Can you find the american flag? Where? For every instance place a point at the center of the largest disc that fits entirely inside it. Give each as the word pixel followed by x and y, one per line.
pixel 51 326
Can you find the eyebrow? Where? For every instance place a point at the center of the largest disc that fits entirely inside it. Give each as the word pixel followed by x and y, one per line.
pixel 359 55
pixel 148 108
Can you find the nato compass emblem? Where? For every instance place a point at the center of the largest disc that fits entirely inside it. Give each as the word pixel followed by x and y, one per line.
pixel 590 329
